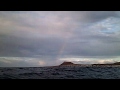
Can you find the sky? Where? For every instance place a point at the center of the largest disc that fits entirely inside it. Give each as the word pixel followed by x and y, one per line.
pixel 45 38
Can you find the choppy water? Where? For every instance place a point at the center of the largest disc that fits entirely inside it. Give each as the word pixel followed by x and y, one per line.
pixel 60 73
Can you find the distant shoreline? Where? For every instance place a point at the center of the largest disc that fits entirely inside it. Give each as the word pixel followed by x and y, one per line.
pixel 70 64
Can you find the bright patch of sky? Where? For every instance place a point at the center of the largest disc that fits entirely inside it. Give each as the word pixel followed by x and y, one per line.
pixel 110 25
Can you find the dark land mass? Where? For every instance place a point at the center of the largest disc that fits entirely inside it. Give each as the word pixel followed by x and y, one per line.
pixel 72 64
pixel 111 64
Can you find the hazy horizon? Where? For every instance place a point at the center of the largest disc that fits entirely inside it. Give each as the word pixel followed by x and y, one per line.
pixel 45 38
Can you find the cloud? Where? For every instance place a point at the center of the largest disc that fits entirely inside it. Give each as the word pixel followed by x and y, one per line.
pixel 59 33
pixel 42 23
pixel 31 24
pixel 21 62
pixel 89 60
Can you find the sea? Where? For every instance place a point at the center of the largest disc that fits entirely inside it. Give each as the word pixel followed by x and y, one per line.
pixel 56 72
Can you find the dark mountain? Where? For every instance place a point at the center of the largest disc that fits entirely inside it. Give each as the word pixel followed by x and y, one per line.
pixel 67 63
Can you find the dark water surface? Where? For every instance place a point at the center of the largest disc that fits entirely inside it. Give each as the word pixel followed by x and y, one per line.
pixel 59 72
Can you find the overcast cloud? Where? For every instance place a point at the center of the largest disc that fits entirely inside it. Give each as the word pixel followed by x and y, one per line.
pixel 52 36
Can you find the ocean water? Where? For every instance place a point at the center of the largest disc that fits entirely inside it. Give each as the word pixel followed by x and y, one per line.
pixel 60 72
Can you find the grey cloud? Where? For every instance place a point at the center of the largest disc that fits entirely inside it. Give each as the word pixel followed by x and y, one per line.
pixel 59 33
pixel 29 47
pixel 92 16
